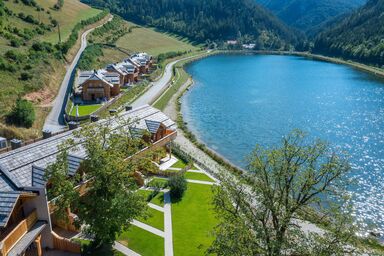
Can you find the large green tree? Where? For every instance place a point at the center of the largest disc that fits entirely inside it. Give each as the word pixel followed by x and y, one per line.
pixel 267 213
pixel 110 202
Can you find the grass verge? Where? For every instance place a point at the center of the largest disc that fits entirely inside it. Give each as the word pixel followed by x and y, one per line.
pixel 142 242
pixel 85 110
pixel 197 176
pixel 157 200
pixel 155 219
pixel 192 220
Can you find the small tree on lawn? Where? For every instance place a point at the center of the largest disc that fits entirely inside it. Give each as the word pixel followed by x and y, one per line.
pixel 177 185
pixel 22 114
pixel 110 203
pixel 267 214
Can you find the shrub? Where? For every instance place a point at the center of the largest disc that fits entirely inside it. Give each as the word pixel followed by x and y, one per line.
pixel 15 42
pixel 24 76
pixel 22 114
pixel 177 185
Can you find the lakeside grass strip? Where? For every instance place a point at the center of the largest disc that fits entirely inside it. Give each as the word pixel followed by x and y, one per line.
pixel 193 219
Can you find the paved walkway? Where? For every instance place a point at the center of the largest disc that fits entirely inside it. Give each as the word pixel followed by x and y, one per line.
pixel 148 228
pixel 167 162
pixel 168 239
pixel 123 249
pixel 54 120
pixel 156 207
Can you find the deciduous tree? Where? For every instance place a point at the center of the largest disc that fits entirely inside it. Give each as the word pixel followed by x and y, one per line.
pixel 268 213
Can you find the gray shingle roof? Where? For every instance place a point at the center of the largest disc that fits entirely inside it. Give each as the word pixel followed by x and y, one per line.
pixel 7 203
pixel 25 166
pixel 18 163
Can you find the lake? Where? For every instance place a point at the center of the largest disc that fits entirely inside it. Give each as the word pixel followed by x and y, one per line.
pixel 239 101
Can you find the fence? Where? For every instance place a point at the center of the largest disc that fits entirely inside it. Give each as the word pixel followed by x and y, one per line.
pixel 64 244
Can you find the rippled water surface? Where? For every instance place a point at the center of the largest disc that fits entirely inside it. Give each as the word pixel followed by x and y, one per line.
pixel 242 100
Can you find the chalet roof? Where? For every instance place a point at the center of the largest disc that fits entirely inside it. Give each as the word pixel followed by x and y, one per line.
pixel 16 166
pixel 109 78
pixel 7 203
pixel 143 55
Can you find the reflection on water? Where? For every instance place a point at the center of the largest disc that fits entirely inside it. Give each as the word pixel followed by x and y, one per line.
pixel 240 101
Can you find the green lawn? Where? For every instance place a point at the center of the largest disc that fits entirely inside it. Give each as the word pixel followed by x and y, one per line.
pixel 197 176
pixel 193 219
pixel 179 164
pixel 142 242
pixel 85 109
pixel 158 199
pixel 158 181
pixel 155 219
pixel 103 251
pixel 152 42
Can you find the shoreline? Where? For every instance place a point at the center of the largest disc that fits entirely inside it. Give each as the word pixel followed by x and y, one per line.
pixel 219 158
pixel 215 162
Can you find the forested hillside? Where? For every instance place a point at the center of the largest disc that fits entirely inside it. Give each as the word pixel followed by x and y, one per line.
pixel 307 15
pixel 202 20
pixel 359 37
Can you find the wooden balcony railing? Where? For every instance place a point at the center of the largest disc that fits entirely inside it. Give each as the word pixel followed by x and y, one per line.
pixel 17 233
pixel 64 244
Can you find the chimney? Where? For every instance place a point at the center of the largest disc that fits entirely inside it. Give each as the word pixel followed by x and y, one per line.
pixel 73 125
pixel 128 107
pixel 15 143
pixel 94 118
pixel 47 134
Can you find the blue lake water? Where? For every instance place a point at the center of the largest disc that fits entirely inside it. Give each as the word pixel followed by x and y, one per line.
pixel 239 101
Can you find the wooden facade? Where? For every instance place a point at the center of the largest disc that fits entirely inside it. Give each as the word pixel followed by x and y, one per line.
pixel 99 89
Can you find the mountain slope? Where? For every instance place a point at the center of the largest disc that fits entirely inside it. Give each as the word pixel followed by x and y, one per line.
pixel 359 36
pixel 202 20
pixel 31 60
pixel 308 14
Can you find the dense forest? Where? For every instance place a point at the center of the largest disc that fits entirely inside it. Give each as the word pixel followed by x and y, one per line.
pixel 358 36
pixel 309 15
pixel 202 20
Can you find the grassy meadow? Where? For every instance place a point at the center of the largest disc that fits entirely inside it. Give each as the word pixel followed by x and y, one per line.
pixel 34 76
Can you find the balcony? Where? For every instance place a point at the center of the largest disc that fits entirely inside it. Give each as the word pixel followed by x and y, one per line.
pixel 22 235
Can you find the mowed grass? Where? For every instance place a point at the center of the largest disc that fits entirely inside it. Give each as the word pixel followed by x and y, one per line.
pixel 85 109
pixel 142 242
pixel 155 219
pixel 197 176
pixel 103 251
pixel 152 42
pixel 193 219
pixel 157 200
pixel 179 164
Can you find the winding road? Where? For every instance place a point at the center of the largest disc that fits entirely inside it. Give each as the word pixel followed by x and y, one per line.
pixel 158 87
pixel 55 119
